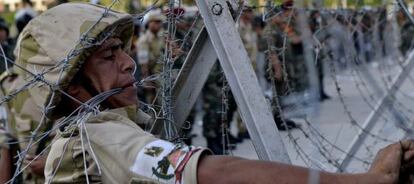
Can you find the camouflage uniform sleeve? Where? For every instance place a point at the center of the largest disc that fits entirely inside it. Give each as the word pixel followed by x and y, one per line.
pixel 127 154
pixel 65 164
pixel 132 154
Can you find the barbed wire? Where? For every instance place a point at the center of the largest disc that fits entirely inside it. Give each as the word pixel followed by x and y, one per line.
pixel 321 143
pixel 359 82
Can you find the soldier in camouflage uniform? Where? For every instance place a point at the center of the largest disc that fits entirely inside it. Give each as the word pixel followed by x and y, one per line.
pixel 321 35
pixel 23 117
pixel 406 31
pixel 248 35
pixel 118 150
pixel 20 117
pixel 108 146
pixel 150 47
pixel 288 55
pixel 7 45
pixel 214 119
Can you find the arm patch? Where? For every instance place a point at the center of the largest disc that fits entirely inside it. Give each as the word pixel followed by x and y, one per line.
pixel 163 161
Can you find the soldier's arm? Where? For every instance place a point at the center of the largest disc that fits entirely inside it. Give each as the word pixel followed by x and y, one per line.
pixel 277 66
pixel 224 169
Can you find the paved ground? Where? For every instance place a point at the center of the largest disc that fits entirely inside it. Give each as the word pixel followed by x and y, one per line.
pixel 335 126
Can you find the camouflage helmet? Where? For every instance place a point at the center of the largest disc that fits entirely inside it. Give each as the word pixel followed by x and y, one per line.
pixel 54 45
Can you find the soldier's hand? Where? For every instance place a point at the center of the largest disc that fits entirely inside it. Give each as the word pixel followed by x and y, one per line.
pixel 38 165
pixel 407 165
pixel 277 67
pixel 388 162
pixel 176 51
pixel 393 160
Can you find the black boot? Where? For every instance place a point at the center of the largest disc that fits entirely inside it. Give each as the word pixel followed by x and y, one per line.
pixel 216 146
pixel 324 96
pixel 243 135
pixel 234 140
pixel 288 126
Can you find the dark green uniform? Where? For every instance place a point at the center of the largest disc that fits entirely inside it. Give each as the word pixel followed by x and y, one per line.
pixel 292 58
pixel 213 108
pixel 407 33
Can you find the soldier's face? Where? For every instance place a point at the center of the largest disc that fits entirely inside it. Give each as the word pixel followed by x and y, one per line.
pixel 110 67
pixel 154 26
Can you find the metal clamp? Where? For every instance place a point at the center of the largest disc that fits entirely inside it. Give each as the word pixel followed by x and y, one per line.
pixel 217 9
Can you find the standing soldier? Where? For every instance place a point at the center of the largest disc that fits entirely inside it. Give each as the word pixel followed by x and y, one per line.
pixel 149 49
pixel 212 106
pixel 218 113
pixel 284 57
pixel 321 35
pixel 6 43
pixel 23 115
pixel 248 35
pixel 20 117
pixel 406 31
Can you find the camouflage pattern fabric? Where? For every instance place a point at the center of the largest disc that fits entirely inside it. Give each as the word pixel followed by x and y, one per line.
pixel 292 55
pixel 212 103
pixel 38 50
pixel 23 117
pixel 116 139
pixel 119 157
pixel 407 33
pixel 212 106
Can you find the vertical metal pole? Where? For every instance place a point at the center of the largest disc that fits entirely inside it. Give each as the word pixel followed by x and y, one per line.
pixel 194 73
pixel 192 77
pixel 255 111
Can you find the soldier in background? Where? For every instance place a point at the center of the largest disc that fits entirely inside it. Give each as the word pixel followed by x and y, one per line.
pixel 219 112
pixel 24 15
pixel 7 45
pixel 288 55
pixel 183 42
pixel 23 115
pixel 406 31
pixel 150 47
pixel 248 34
pixel 321 35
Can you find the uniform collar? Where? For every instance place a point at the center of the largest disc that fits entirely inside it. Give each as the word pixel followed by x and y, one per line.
pixel 131 112
pixel 127 111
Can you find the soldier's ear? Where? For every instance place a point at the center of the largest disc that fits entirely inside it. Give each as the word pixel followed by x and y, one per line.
pixel 78 92
pixel 73 90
